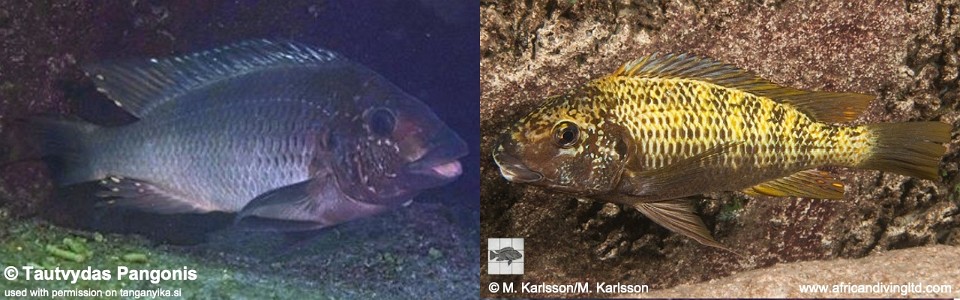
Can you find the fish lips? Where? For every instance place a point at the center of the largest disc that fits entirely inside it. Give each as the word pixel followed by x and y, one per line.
pixel 514 170
pixel 440 168
pixel 441 163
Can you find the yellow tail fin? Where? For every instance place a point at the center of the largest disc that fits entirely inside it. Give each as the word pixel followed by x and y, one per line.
pixel 912 149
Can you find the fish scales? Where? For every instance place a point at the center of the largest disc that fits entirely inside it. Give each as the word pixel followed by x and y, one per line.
pixel 275 153
pixel 663 128
pixel 287 136
pixel 278 151
pixel 678 118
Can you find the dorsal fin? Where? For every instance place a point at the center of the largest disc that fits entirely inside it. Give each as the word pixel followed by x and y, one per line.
pixel 139 86
pixel 822 106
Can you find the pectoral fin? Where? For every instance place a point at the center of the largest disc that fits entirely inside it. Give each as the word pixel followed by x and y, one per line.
pixel 282 209
pixel 311 204
pixel 149 197
pixel 256 223
pixel 807 184
pixel 678 179
pixel 678 216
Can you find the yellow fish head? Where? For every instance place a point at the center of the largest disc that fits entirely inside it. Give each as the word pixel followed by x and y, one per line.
pixel 568 144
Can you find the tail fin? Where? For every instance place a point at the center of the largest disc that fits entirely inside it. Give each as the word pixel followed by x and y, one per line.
pixel 912 149
pixel 64 146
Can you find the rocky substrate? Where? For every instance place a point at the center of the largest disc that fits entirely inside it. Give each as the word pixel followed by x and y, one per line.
pixel 907 54
pixel 921 272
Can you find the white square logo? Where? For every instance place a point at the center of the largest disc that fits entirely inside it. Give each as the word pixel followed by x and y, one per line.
pixel 505 256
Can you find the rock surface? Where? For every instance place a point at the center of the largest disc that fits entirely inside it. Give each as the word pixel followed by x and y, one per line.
pixel 907 54
pixel 918 278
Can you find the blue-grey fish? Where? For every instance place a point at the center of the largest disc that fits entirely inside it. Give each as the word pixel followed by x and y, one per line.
pixel 506 254
pixel 289 136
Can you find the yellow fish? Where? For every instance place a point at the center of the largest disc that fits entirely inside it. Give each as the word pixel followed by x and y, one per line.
pixel 666 127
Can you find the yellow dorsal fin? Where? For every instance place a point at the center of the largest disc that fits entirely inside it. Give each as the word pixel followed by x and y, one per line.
pixel 806 184
pixel 821 106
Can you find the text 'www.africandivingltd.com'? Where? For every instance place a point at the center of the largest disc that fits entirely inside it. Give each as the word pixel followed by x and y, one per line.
pixel 884 288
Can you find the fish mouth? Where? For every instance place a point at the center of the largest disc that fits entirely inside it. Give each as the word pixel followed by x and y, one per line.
pixel 442 170
pixel 442 161
pixel 514 170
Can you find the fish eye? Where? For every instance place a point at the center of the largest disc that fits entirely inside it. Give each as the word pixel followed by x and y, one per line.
pixel 566 134
pixel 382 121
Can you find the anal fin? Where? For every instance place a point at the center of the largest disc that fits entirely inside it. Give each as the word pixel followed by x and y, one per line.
pixel 149 197
pixel 806 184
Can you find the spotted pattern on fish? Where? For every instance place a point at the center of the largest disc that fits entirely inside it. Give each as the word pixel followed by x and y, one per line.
pixel 666 127
pixel 678 118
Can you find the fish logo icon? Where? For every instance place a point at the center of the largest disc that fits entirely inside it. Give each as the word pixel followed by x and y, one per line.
pixel 507 253
pixel 506 256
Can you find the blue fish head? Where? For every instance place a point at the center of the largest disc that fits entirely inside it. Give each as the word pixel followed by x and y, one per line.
pixel 393 147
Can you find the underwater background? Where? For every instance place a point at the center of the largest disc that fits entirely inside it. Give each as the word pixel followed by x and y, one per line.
pixel 425 251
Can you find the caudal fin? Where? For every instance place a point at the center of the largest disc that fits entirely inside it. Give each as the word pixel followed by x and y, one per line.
pixel 64 146
pixel 913 148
